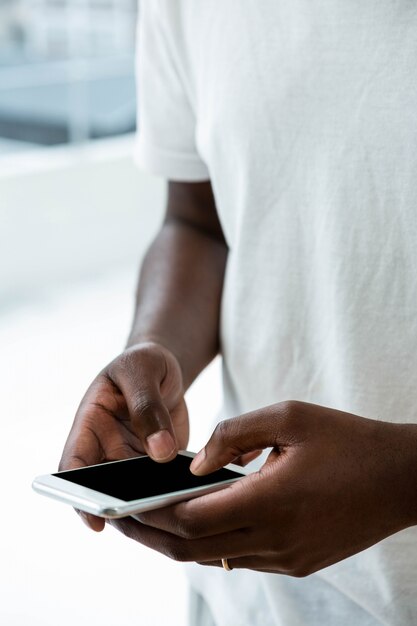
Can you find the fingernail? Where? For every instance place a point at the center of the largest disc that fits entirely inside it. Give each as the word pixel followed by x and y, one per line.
pixel 161 445
pixel 198 461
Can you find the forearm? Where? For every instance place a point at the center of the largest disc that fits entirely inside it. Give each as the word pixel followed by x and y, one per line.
pixel 179 294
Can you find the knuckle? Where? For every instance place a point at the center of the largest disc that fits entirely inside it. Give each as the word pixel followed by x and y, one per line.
pixel 226 438
pixel 124 363
pixel 221 431
pixel 127 364
pixel 145 355
pixel 109 373
pixel 287 408
pixel 144 406
pixel 291 414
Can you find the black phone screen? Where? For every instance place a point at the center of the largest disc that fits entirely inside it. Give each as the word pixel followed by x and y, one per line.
pixel 142 477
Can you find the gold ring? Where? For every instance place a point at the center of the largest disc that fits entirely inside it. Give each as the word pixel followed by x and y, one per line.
pixel 226 565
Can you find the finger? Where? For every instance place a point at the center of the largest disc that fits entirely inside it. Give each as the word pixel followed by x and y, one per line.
pixel 140 382
pixel 92 521
pixel 84 444
pixel 179 549
pixel 235 437
pixel 101 403
pixel 81 451
pixel 231 508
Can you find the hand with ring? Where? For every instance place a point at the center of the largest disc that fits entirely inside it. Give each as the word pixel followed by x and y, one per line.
pixel 333 484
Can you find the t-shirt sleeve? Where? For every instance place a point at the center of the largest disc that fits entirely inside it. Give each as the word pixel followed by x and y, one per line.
pixel 165 141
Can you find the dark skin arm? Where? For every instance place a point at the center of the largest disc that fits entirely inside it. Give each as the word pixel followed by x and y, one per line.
pixel 136 403
pixel 181 281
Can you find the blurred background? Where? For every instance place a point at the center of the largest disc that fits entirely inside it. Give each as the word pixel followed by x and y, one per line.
pixel 76 217
pixel 66 71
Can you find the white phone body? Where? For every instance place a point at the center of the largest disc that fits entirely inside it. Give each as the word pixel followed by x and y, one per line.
pixel 103 505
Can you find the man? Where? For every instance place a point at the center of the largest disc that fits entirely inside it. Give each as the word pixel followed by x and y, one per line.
pixel 287 132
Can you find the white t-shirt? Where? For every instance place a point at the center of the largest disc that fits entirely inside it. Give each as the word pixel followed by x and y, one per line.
pixel 303 114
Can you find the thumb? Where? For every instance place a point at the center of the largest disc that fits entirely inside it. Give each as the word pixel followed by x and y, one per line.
pixel 149 416
pixel 151 420
pixel 235 437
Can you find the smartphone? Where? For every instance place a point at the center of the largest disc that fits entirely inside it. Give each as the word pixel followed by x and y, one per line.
pixel 121 488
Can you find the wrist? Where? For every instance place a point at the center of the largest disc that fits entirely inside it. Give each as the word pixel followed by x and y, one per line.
pixel 138 340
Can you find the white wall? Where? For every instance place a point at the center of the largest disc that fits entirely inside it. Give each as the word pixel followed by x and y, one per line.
pixel 72 213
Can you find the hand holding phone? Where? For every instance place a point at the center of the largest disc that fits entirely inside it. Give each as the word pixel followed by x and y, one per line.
pixel 121 488
pixel 134 406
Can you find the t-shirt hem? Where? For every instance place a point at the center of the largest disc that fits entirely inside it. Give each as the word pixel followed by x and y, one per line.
pixel 170 165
